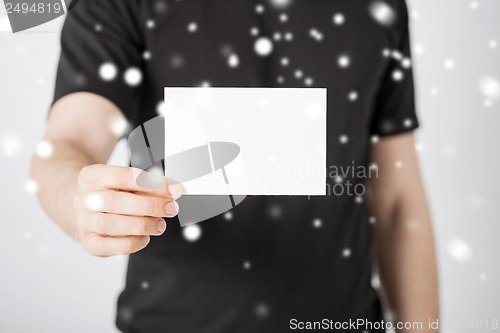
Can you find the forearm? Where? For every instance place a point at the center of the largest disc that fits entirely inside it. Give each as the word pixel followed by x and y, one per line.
pixel 57 177
pixel 406 262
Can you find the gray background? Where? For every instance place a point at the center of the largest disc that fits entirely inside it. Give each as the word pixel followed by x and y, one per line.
pixel 48 284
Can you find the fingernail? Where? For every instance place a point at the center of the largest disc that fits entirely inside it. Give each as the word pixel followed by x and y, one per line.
pixel 172 208
pixel 162 226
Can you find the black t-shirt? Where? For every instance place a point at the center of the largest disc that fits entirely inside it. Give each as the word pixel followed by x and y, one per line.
pixel 272 258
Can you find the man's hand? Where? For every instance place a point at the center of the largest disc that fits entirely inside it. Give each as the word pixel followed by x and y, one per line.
pixel 107 208
pixel 116 216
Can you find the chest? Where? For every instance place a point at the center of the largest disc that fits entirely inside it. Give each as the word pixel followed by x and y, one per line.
pixel 333 44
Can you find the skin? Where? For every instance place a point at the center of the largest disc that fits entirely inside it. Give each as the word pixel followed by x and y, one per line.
pixel 403 236
pixel 102 207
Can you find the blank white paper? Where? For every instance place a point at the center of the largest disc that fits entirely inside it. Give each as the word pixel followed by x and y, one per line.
pixel 246 141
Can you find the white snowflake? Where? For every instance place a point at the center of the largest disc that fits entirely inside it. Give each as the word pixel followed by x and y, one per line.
pixel 133 76
pixel 382 13
pixel 107 71
pixel 31 186
pixel 338 18
pixel 490 87
pixel 375 281
pixel 192 232
pixel 397 75
pixel 459 250
pixel 118 126
pixel 228 216
pixel 44 149
pixel 397 55
pixel 275 211
pixel 419 146
pixel 316 34
pixel 406 63
pixel 160 6
pixel 150 24
pixel 94 202
pixel 262 310
pixel 146 55
pixel 343 61
pixel 233 61
pixel 280 3
pixel 161 108
pixel 419 48
pixel 449 64
pixel 263 46
pixel 10 145
pixel 407 122
pixel 177 60
pixel 192 27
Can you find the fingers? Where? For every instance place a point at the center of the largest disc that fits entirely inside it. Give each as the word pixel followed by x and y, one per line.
pixel 125 203
pixel 119 208
pixel 99 176
pixel 104 246
pixel 120 225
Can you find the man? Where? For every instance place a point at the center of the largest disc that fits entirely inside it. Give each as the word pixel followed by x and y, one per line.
pixel 273 263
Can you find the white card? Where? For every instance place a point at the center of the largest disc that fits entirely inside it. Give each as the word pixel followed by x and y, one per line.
pixel 246 141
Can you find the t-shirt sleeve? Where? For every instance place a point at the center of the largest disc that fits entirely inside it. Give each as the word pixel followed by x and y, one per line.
pixel 101 53
pixel 395 111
